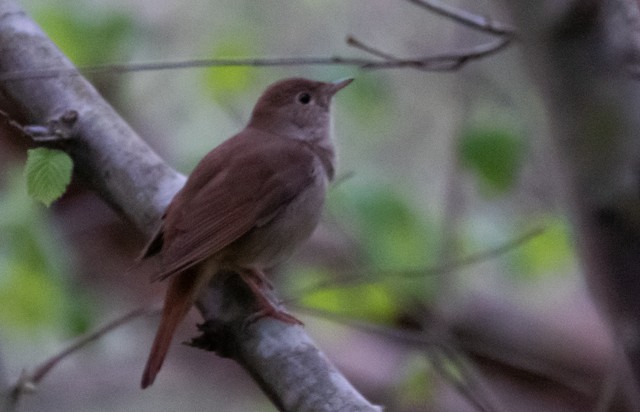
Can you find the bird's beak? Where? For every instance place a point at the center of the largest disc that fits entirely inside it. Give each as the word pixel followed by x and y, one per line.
pixel 338 85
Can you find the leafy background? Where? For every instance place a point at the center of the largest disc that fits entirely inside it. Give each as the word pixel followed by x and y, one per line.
pixel 434 168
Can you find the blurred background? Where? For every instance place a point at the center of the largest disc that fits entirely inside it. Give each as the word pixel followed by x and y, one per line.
pixel 443 275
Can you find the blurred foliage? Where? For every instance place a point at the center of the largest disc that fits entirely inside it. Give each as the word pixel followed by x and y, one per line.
pixel 368 102
pixel 416 383
pixel 365 301
pixel 86 37
pixel 493 149
pixel 393 234
pixel 396 236
pixel 48 174
pixel 34 269
pixel 224 83
pixel 552 252
pixel 395 240
pixel 494 154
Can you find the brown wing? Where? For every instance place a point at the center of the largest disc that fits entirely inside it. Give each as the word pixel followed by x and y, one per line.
pixel 261 174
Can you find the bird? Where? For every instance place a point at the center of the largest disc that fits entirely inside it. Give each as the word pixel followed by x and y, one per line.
pixel 247 204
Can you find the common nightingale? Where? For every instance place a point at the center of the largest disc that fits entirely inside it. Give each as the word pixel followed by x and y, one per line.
pixel 247 205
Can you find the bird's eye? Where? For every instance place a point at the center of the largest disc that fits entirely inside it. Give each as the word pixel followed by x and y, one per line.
pixel 304 98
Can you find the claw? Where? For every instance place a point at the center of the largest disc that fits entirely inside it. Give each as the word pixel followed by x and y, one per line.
pixel 256 280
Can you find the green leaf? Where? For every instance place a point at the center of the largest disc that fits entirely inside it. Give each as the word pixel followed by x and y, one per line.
pixel 48 174
pixel 494 154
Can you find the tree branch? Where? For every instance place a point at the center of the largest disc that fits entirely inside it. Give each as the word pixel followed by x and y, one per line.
pixel 136 182
pixel 465 17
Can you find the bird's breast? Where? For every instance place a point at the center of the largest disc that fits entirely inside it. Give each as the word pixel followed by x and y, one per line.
pixel 273 241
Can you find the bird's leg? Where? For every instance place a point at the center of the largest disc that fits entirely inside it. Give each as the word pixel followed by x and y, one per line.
pixel 256 281
pixel 261 279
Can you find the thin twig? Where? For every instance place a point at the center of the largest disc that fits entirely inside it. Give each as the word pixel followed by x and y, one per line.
pixel 478 257
pixel 13 124
pixel 461 379
pixel 353 42
pixel 439 62
pixel 485 255
pixel 473 381
pixel 442 62
pixel 29 381
pixel 435 346
pixel 342 178
pixel 435 336
pixel 465 17
pixel 56 129
pixel 413 338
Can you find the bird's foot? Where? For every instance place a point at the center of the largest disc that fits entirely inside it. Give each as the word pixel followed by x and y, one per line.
pixel 256 281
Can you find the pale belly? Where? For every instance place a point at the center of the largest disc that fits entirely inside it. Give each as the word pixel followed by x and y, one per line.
pixel 270 244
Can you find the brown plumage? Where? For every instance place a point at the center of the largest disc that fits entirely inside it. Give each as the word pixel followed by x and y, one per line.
pixel 247 204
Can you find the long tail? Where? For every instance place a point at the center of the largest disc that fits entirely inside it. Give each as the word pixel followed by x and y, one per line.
pixel 179 299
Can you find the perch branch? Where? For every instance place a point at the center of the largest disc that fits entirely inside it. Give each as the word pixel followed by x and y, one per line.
pixel 137 183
